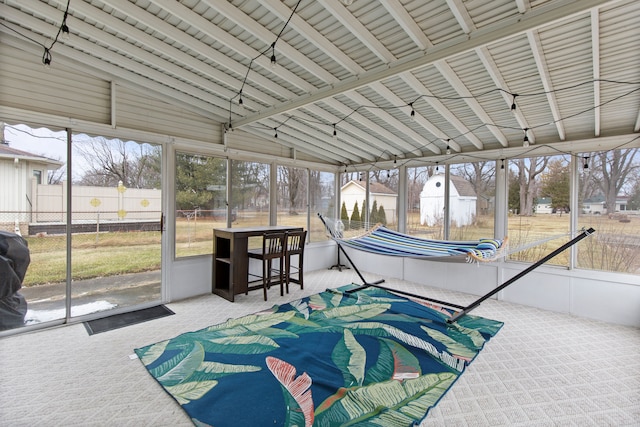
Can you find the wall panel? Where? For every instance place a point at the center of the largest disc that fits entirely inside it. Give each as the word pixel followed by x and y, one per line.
pixel 138 111
pixel 58 90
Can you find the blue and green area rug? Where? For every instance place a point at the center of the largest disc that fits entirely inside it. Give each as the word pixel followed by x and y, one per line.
pixel 336 358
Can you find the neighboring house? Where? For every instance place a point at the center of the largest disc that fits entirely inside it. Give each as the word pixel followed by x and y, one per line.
pixel 543 205
pixel 596 205
pixel 462 201
pixel 355 192
pixel 20 171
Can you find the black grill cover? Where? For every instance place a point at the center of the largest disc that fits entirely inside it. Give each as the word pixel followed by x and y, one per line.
pixel 14 261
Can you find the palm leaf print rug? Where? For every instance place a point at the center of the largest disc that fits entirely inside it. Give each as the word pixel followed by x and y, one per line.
pixel 364 358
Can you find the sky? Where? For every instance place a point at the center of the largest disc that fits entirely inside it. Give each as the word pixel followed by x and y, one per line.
pixel 40 141
pixel 44 142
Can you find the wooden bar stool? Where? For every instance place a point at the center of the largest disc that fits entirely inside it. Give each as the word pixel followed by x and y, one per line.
pixel 295 241
pixel 273 248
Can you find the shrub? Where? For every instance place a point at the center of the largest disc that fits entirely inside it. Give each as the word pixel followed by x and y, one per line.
pixel 344 216
pixel 355 217
pixel 382 216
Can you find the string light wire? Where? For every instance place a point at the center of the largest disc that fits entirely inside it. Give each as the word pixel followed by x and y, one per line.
pixel 63 29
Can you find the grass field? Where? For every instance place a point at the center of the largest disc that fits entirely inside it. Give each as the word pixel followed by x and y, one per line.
pixel 614 247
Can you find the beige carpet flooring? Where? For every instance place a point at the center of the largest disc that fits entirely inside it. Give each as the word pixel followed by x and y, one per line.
pixel 542 369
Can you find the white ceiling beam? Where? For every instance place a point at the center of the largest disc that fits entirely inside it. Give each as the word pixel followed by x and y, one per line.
pixel 249 25
pixel 173 33
pixel 322 43
pixel 396 100
pixel 523 6
pixel 344 126
pixel 569 146
pixel 296 136
pixel 420 142
pixel 325 132
pixel 462 15
pixel 280 10
pixel 414 31
pixel 407 23
pixel 499 81
pixel 356 28
pixel 543 71
pixel 461 89
pixel 374 127
pixel 195 19
pixel 205 26
pixel 544 15
pixel 436 104
pixel 292 143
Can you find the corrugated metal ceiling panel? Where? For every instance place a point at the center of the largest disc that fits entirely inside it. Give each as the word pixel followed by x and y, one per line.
pixel 450 57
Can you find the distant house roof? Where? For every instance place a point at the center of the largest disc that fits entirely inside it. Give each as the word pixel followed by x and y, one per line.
pixel 374 187
pixel 464 187
pixel 543 200
pixel 600 199
pixel 8 152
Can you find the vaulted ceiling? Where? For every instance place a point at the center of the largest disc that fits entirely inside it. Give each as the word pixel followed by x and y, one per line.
pixel 392 79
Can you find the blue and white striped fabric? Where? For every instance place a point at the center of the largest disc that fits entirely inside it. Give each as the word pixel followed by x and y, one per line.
pixel 384 241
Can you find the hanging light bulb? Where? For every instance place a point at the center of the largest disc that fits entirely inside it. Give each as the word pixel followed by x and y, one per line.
pixel 65 32
pixel 513 104
pixel 335 133
pixel 586 163
pixel 273 55
pixel 46 58
pixel 413 112
pixel 395 159
pixel 241 106
pixel 276 133
pixel 502 165
pixel 525 141
pixel 64 29
pixel 436 167
pixel 448 148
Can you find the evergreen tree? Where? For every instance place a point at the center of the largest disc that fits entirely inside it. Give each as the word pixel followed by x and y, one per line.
pixel 344 216
pixel 373 215
pixel 355 217
pixel 382 216
pixel 555 184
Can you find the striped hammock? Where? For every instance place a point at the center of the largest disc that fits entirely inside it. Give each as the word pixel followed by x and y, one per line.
pixel 383 241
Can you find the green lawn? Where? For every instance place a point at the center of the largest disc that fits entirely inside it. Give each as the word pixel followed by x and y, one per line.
pixel 612 248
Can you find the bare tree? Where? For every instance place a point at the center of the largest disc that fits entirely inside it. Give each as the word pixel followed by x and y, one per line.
pixel 292 187
pixel 528 171
pixel 57 176
pixel 108 162
pixel 616 165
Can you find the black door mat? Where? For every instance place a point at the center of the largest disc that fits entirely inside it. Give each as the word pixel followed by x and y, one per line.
pixel 125 319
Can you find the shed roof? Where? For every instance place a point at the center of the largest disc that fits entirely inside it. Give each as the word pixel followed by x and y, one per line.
pixel 374 187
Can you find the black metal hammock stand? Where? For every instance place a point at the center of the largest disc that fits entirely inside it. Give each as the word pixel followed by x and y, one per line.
pixel 460 310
